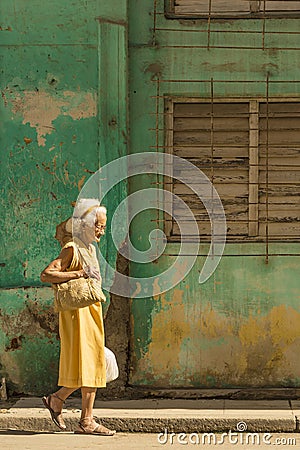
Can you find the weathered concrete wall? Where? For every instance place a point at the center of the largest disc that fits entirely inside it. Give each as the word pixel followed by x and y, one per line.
pixel 59 95
pixel 64 114
pixel 240 328
pixel 117 332
pixel 29 339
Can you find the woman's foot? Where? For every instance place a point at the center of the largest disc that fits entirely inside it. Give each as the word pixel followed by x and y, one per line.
pixel 54 405
pixel 88 425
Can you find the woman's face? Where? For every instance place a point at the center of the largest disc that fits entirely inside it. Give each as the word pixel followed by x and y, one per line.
pixel 94 233
pixel 100 225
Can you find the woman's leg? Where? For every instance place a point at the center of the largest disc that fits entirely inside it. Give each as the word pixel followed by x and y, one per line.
pixel 54 403
pixel 57 398
pixel 87 422
pixel 88 399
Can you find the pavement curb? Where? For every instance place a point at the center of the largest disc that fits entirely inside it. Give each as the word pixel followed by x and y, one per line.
pixel 157 425
pixel 156 416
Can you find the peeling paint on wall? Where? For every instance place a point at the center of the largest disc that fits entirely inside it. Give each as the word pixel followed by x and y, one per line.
pixel 81 183
pixel 40 108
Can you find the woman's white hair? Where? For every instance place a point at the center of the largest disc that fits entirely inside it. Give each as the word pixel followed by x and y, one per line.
pixel 85 214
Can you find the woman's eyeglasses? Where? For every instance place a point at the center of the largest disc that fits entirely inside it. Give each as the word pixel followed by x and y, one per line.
pixel 100 227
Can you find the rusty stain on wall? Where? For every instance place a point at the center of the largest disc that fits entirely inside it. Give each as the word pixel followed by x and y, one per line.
pixel 243 350
pixel 15 343
pixel 169 328
pixel 40 108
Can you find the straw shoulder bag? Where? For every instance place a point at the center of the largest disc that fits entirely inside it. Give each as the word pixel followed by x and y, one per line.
pixel 78 293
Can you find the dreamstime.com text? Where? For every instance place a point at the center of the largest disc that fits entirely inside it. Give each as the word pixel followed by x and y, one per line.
pixel 230 437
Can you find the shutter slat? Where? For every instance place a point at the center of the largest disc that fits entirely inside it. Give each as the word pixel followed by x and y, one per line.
pixel 199 137
pixel 217 6
pixel 283 5
pixel 220 124
pixel 233 228
pixel 233 213
pixel 206 109
pixel 194 203
pixel 225 191
pixel 233 176
pixel 224 152
pixel 280 213
pixel 278 230
pixel 280 176
pixel 280 194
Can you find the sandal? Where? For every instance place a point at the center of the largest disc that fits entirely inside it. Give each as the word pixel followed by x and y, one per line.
pixel 94 428
pixel 55 416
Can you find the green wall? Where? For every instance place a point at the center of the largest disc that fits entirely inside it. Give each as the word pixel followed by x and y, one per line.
pixel 64 113
pixel 241 327
pixel 61 67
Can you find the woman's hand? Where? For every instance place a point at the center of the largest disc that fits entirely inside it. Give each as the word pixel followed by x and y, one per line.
pixel 81 274
pixel 92 272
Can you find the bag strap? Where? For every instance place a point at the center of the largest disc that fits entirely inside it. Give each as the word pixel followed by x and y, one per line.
pixel 89 260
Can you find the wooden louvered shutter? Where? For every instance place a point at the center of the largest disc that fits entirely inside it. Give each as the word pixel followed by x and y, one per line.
pixel 279 170
pixel 251 153
pixel 215 138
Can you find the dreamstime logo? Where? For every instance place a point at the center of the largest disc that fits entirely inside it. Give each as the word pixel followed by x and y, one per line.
pixel 239 437
pixel 241 426
pixel 173 167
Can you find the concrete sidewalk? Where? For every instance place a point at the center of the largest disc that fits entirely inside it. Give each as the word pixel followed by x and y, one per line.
pixel 156 415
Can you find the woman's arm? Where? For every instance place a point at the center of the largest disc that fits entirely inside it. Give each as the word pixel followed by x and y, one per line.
pixel 55 272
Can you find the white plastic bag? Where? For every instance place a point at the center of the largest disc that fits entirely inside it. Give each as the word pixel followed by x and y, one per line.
pixel 112 370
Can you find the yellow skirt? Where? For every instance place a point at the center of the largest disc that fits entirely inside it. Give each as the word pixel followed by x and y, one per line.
pixel 82 359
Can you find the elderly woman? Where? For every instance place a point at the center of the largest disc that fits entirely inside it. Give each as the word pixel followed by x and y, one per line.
pixel 82 359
